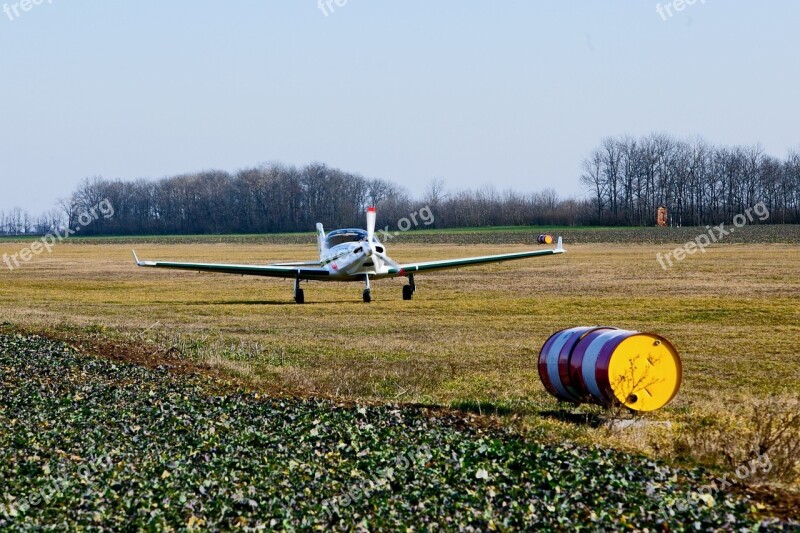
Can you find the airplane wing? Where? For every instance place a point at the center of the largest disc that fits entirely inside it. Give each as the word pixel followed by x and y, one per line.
pixel 274 271
pixel 431 266
pixel 297 264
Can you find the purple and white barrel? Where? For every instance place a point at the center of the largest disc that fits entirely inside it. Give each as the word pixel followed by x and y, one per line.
pixel 604 365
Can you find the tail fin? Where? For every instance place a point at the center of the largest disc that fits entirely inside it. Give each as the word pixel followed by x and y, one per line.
pixel 320 238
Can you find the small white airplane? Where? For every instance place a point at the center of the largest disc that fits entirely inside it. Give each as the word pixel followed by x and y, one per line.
pixel 348 255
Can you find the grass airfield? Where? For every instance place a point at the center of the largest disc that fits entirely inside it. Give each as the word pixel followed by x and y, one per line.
pixel 469 340
pixel 470 335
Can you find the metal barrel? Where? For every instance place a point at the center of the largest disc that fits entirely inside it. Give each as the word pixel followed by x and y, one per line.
pixel 545 239
pixel 601 365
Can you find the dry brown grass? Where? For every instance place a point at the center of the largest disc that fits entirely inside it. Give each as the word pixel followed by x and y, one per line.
pixel 470 338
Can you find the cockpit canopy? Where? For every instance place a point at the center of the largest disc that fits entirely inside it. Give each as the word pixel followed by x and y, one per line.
pixel 341 236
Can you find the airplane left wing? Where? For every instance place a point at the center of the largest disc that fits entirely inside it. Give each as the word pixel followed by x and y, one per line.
pixel 297 264
pixel 431 266
pixel 273 271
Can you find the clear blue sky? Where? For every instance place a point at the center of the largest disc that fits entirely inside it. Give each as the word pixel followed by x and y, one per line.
pixel 513 94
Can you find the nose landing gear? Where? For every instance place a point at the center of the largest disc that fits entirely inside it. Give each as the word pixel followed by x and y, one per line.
pixel 367 292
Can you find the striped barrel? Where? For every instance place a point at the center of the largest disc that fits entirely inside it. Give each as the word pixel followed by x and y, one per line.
pixel 604 365
pixel 545 239
pixel 554 359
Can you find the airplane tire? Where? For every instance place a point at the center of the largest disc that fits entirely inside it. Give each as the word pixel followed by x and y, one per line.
pixel 367 296
pixel 300 297
pixel 408 292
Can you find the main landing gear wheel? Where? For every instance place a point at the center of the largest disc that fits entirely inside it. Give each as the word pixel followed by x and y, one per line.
pixel 408 292
pixel 410 289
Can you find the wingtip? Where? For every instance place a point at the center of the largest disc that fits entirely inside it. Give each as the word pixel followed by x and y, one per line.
pixel 560 246
pixel 135 258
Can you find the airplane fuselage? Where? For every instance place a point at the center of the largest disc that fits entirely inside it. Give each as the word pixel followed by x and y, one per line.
pixel 355 259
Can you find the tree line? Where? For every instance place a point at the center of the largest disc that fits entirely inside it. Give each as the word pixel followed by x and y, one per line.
pixel 629 178
pixel 626 179
pixel 276 198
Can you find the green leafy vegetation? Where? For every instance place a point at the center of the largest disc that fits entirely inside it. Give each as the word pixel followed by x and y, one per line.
pixel 87 442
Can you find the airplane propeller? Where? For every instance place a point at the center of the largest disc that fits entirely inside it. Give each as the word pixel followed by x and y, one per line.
pixel 372 216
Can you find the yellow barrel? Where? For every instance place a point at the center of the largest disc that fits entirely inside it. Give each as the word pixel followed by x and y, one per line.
pixel 545 239
pixel 602 365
